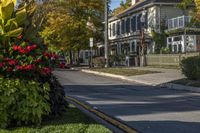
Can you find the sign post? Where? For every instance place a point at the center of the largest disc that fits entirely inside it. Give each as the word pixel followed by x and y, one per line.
pixel 91 51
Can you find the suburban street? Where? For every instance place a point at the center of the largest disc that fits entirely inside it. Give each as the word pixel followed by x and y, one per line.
pixel 146 108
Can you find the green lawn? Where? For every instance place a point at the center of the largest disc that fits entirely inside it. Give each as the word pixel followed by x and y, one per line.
pixel 164 66
pixel 187 82
pixel 123 71
pixel 72 121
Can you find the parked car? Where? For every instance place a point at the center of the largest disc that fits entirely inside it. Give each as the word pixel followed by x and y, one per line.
pixel 63 63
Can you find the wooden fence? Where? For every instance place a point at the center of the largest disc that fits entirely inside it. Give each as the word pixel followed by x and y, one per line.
pixel 168 59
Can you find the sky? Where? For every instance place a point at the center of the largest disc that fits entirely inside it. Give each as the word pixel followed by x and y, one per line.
pixel 114 4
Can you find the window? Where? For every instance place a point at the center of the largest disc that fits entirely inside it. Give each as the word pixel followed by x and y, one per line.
pixel 133 47
pixel 177 38
pixel 181 22
pixel 133 24
pixel 138 22
pixel 118 28
pixel 114 29
pixel 123 26
pixel 169 40
pixel 170 24
pixel 175 22
pixel 128 25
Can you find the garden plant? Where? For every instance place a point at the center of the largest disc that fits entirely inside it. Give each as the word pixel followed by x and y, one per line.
pixel 28 90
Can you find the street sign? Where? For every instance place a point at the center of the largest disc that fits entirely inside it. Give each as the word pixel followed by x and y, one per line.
pixel 91 42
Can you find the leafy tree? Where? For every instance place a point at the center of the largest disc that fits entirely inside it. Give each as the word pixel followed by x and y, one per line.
pixel 123 6
pixel 160 38
pixel 66 27
pixel 197 3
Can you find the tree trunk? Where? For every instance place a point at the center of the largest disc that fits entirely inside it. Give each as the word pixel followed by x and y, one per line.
pixel 70 57
pixel 78 59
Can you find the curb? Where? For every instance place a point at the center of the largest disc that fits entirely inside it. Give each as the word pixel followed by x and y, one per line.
pixel 168 85
pixel 116 76
pixel 182 87
pixel 110 120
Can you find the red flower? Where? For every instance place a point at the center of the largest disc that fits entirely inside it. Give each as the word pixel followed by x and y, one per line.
pixel 9 69
pixel 6 59
pixel 34 46
pixel 15 47
pixel 29 67
pixel 62 65
pixel 47 55
pixel 1 64
pixel 38 60
pixel 28 48
pixel 19 67
pixel 26 68
pixel 12 62
pixel 20 37
pixel 46 70
pixel 23 51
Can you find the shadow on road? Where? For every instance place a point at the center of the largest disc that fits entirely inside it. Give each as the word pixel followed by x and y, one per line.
pixel 146 108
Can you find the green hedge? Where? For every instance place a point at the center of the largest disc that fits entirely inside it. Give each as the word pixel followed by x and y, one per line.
pixel 191 67
pixel 99 62
pixel 23 102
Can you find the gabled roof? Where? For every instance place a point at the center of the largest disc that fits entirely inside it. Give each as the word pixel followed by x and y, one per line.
pixel 145 3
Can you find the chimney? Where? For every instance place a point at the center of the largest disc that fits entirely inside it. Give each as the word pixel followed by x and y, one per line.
pixel 134 2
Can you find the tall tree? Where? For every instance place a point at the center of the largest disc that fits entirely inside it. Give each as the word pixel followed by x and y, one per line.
pixel 123 6
pixel 66 26
pixel 197 3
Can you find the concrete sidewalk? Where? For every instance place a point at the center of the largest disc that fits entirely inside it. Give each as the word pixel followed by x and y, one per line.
pixel 156 79
pixel 165 76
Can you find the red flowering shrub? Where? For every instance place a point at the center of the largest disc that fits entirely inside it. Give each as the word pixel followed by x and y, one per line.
pixel 27 59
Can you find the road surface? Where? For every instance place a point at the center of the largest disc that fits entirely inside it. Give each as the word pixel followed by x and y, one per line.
pixel 145 108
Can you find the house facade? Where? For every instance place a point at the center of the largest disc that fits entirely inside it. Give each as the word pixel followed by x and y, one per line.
pixel 124 28
pixel 183 37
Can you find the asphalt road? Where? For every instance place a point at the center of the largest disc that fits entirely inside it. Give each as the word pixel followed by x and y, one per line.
pixel 145 108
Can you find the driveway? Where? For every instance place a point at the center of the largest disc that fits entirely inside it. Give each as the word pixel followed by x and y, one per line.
pixel 145 108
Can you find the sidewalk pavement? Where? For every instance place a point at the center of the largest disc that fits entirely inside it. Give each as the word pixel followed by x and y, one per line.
pixel 162 79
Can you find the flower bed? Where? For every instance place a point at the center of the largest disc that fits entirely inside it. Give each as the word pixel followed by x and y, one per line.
pixel 28 90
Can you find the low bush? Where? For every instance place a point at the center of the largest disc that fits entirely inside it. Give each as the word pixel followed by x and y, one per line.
pixel 99 62
pixel 57 100
pixel 116 60
pixel 191 67
pixel 23 102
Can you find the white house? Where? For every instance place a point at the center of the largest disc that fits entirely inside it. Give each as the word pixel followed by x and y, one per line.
pixel 124 28
pixel 183 37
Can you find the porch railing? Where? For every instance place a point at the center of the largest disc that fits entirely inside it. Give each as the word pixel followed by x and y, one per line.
pixel 179 22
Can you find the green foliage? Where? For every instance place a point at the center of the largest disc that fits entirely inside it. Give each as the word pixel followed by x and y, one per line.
pixel 99 62
pixel 10 21
pixel 71 121
pixel 56 94
pixel 116 59
pixel 159 39
pixel 123 6
pixel 165 50
pixel 184 4
pixel 23 101
pixel 191 67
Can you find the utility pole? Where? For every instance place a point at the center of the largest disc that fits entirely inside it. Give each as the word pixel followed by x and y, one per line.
pixel 106 34
pixel 142 40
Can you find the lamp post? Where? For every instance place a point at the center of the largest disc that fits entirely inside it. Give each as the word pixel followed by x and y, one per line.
pixel 142 39
pixel 106 34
